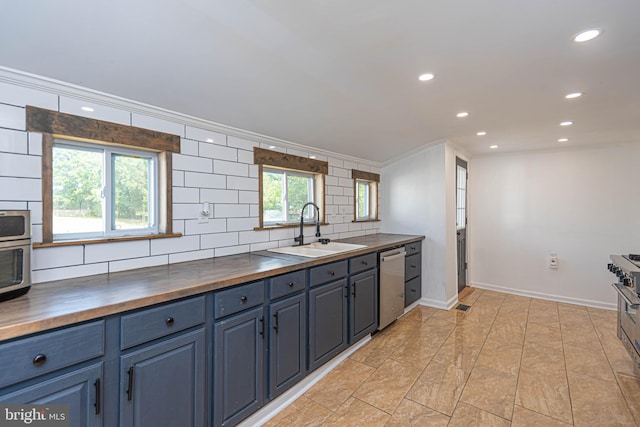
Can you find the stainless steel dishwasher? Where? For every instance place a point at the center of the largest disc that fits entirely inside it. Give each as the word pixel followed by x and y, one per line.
pixel 391 286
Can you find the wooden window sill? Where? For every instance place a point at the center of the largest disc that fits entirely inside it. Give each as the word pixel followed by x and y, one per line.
pixel 277 226
pixel 366 220
pixel 104 240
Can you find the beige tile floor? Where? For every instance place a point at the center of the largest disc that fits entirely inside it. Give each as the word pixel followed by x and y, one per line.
pixel 507 361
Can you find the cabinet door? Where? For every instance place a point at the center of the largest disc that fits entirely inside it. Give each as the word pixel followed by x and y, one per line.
pixel 287 343
pixel 364 305
pixel 327 322
pixel 163 384
pixel 238 366
pixel 80 389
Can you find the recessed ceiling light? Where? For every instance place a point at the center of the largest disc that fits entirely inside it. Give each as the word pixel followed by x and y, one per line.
pixel 493 147
pixel 462 114
pixel 209 139
pixel 585 36
pixel 573 95
pixel 567 123
pixel 563 140
pixel 87 109
pixel 271 147
pixel 481 133
pixel 426 77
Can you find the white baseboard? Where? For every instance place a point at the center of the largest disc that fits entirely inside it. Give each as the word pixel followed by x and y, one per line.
pixel 285 399
pixel 550 297
pixel 439 304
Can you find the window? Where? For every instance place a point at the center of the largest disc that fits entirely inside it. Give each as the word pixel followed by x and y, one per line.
pixel 287 183
pixel 365 195
pixel 102 191
pixel 102 181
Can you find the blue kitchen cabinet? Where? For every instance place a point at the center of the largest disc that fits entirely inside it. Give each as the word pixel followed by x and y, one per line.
pixel 413 273
pixel 363 304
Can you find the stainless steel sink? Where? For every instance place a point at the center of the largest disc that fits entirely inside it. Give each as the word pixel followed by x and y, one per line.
pixel 317 249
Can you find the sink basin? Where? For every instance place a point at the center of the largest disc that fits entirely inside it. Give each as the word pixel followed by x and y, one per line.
pixel 317 249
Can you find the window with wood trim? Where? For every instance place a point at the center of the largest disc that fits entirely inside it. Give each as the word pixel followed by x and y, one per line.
pixel 365 195
pixel 287 183
pixel 102 181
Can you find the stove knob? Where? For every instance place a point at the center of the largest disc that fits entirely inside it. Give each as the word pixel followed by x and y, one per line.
pixel 620 274
pixel 610 267
pixel 626 281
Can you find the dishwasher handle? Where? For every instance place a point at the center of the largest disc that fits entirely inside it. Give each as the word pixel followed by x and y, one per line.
pixel 391 257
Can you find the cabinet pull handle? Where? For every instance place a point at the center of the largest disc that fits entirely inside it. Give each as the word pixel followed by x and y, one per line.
pixel 97 404
pixel 365 263
pixel 332 273
pixel 413 266
pixel 170 321
pixel 354 289
pixel 346 292
pixel 262 326
pixel 291 284
pixel 130 390
pixel 243 299
pixel 275 327
pixel 39 359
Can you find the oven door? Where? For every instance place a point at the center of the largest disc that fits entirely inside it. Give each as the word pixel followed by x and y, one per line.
pixel 629 321
pixel 15 265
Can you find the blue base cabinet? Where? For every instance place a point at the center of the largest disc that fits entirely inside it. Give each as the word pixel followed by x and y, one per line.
pixel 363 313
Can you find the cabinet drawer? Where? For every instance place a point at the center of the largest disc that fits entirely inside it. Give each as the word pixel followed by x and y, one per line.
pixel 157 322
pixel 286 284
pixel 239 298
pixel 412 291
pixel 327 272
pixel 413 248
pixel 412 266
pixel 364 262
pixel 48 352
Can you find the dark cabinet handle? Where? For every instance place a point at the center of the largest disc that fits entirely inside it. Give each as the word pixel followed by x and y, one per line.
pixel 413 266
pixel 97 404
pixel 291 284
pixel 243 299
pixel 170 320
pixel 130 390
pixel 365 263
pixel 354 289
pixel 346 292
pixel 39 359
pixel 275 326
pixel 332 273
pixel 262 326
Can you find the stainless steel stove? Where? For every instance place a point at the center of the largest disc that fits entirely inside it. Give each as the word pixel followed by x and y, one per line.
pixel 627 269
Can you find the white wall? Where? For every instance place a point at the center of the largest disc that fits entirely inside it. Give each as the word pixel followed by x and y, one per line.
pixel 581 203
pixel 219 172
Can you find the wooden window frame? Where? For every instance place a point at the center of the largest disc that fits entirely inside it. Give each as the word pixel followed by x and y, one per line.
pixel 52 124
pixel 374 180
pixel 276 160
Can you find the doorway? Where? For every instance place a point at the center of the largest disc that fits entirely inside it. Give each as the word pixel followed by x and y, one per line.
pixel 461 221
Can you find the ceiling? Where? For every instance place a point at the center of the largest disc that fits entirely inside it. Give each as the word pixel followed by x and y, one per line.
pixel 343 75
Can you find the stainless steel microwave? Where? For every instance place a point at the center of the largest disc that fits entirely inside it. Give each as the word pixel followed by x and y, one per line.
pixel 15 254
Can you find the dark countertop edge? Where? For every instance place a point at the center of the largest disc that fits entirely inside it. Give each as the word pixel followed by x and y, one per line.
pixel 289 263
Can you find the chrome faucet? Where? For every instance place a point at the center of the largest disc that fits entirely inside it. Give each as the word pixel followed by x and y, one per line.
pixel 300 238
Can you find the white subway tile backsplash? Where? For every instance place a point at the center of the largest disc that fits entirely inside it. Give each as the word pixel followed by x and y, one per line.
pixel 335 162
pixel 160 125
pixel 20 165
pixel 355 226
pixel 177 178
pixel 130 264
pixel 206 135
pixel 282 233
pixel 224 167
pixel 248 197
pixel 218 240
pixel 100 112
pixel 254 171
pixel 186 195
pixel 241 224
pixel 176 244
pixel 331 180
pixel 13 141
pixel 363 167
pixel 23 96
pixel 350 165
pixel 254 247
pixel 178 226
pixel 232 250
pixel 185 210
pixel 214 151
pixel 339 172
pixel 230 211
pixel 341 228
pixel 12 117
pixel 204 180
pixel 192 227
pixel 35 144
pixel 55 257
pixel 190 256
pixel 61 273
pixel 254 210
pixel 341 200
pixel 36 212
pixel 345 182
pixel 240 183
pixel 16 189
pixel 219 196
pixel 245 157
pixel 189 147
pixel 244 144
pixel 192 163
pixel 334 191
pixel 253 236
pixel 36 233
pixel 100 252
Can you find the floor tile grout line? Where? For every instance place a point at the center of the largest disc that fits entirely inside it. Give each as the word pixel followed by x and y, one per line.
pixel 566 372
